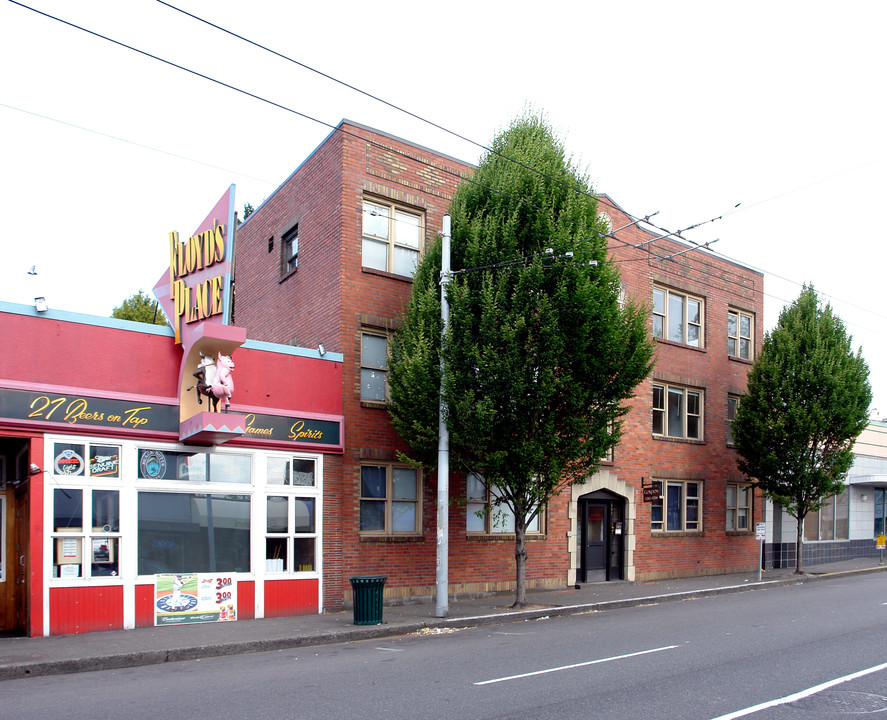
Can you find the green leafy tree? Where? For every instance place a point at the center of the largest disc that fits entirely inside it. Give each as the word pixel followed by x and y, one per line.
pixel 142 308
pixel 248 210
pixel 807 401
pixel 539 354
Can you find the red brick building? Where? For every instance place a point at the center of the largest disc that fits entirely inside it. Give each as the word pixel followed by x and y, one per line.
pixel 326 262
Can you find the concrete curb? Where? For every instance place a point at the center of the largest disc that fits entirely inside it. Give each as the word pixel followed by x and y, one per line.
pixel 117 661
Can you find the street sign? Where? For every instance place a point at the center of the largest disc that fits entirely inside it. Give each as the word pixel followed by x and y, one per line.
pixel 760 531
pixel 881 541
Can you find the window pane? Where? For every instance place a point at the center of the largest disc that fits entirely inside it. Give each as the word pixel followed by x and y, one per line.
pixel 403 516
pixel 879 512
pixel 372 515
pixel 372 482
pixel 476 490
pixel 811 526
pixel 69 459
pixel 188 532
pixel 743 519
pixel 68 509
pixel 275 555
pixel 375 220
pixel 675 413
pixel 842 516
pixel 304 509
pixel 673 507
pixel 745 349
pixel 694 313
pixel 692 403
pixel 658 422
pixel 731 324
pixel 406 229
pixel 693 335
pixel 502 519
pixel 303 554
pixel 372 385
pixel 106 510
pixel 405 261
pixel 676 317
pixel 374 351
pixel 105 556
pixel 731 346
pixel 66 556
pixel 731 496
pixel 278 471
pixel 229 468
pixel 658 301
pixel 475 520
pixel 657 326
pixel 745 326
pixel 303 472
pixel 104 461
pixel 742 496
pixel 278 521
pixel 404 484
pixel 375 254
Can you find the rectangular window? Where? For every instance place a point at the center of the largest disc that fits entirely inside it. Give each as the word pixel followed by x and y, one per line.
pixel 738 506
pixel 194 466
pixel 291 535
pixel 289 248
pixel 392 237
pixel 831 521
pixel 678 508
pixel 390 500
pixel 732 408
pixel 677 412
pixel 193 532
pixel 487 514
pixel 678 317
pixel 740 329
pixel 86 533
pixel 373 368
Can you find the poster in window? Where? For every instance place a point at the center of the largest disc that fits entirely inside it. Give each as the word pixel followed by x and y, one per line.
pixel 104 461
pixel 69 459
pixel 194 598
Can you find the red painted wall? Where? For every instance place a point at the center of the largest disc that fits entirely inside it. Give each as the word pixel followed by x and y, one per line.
pixel 80 610
pixel 290 597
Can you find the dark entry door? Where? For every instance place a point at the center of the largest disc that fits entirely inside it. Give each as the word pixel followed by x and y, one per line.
pixel 595 542
pixel 602 537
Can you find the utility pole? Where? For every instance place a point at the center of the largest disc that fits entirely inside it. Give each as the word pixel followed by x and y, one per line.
pixel 443 448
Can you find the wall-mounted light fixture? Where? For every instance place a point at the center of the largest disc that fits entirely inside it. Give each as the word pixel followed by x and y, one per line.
pixel 40 304
pixel 321 349
pixel 34 469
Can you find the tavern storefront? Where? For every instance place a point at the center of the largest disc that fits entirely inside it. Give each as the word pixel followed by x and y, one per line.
pixel 129 497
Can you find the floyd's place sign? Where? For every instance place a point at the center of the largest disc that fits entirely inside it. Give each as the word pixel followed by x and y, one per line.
pixel 196 259
pixel 85 410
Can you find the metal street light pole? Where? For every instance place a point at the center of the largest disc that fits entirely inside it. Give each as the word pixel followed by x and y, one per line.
pixel 443 447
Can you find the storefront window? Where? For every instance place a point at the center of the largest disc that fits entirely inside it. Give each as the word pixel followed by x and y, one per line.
pixel 77 551
pixel 291 471
pixel 290 539
pixel 193 467
pixel 193 532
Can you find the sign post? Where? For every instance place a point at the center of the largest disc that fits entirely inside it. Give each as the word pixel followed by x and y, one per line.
pixel 760 535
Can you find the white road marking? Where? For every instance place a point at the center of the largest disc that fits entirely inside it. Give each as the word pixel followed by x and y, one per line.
pixel 802 694
pixel 575 665
pixel 384 649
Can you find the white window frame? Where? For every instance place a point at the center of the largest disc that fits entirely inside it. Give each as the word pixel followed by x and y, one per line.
pixel 678 330
pixel 485 517
pixel 292 492
pixel 735 336
pixel 403 236
pixel 690 505
pixel 390 500
pixel 739 505
pixel 369 371
pixel 662 406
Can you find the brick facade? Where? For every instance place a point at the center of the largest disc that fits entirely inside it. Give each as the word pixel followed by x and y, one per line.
pixel 331 298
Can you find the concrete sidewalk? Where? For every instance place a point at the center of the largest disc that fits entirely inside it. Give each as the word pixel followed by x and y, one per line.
pixel 31 657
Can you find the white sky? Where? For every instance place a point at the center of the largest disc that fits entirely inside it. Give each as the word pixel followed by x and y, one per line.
pixel 686 108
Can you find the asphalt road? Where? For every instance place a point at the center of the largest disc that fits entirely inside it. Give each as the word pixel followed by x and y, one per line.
pixel 720 657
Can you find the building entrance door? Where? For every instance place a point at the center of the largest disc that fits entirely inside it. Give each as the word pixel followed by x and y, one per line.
pixel 14 543
pixel 602 533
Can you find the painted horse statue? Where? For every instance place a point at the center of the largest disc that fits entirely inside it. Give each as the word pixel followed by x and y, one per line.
pixel 214 379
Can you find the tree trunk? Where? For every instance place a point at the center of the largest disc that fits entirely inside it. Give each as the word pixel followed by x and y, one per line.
pixel 520 562
pixel 799 546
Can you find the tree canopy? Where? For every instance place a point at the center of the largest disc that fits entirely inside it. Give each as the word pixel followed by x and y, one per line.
pixel 540 355
pixel 142 308
pixel 807 401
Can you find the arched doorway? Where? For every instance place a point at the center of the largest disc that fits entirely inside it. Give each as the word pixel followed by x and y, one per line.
pixel 602 530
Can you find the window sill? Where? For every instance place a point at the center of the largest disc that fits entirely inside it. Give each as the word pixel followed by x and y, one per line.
pixel 392 538
pixel 689 441
pixel 288 274
pixel 741 361
pixel 677 533
pixel 663 341
pixel 374 404
pixel 499 537
pixel 739 533
pixel 385 273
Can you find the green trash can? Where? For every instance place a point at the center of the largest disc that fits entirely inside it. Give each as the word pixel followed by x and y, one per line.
pixel 368 599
